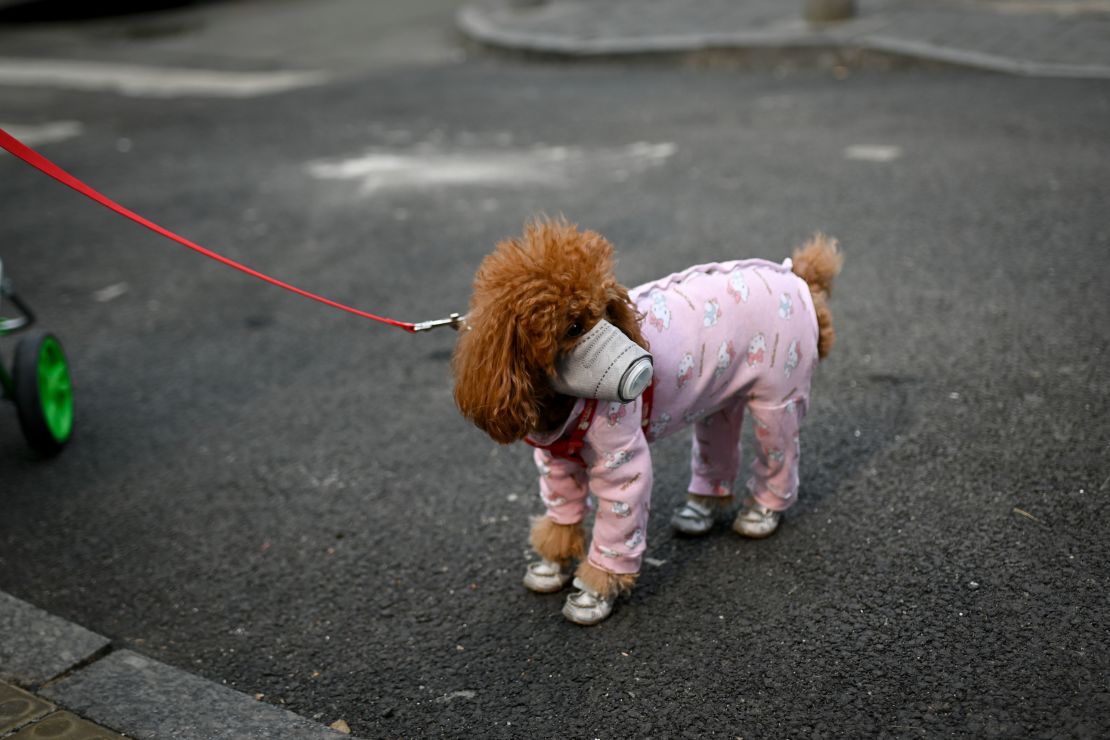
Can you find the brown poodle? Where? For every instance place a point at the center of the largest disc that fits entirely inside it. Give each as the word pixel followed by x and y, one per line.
pixel 725 338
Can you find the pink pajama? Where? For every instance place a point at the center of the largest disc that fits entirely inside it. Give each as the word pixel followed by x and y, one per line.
pixel 725 337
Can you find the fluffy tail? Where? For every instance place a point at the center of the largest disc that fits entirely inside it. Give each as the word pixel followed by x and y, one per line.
pixel 817 262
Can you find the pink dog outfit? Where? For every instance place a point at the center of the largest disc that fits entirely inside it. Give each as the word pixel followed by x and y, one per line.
pixel 724 336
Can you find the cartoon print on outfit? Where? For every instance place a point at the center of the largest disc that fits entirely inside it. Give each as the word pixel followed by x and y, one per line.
pixel 636 539
pixel 685 369
pixel 725 355
pixel 614 460
pixel 660 315
pixel 658 425
pixel 791 358
pixel 786 306
pixel 712 312
pixel 721 488
pixel 615 413
pixel 757 348
pixel 737 287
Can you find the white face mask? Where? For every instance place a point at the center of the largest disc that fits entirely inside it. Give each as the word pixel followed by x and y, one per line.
pixel 605 364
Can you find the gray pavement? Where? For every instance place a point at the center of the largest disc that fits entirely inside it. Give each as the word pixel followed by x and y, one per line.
pixel 1045 38
pixel 266 499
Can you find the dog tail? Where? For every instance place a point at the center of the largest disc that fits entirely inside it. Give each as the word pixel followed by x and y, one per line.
pixel 817 262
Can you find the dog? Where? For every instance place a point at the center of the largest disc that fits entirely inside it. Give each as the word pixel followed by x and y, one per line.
pixel 548 318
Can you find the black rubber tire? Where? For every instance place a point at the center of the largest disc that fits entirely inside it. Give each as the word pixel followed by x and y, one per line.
pixel 25 379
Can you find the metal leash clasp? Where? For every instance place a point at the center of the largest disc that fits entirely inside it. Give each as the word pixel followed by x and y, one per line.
pixel 455 321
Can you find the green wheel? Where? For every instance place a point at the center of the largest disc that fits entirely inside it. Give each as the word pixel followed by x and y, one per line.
pixel 43 392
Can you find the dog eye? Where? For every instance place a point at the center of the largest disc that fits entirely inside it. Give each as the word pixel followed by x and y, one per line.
pixel 575 329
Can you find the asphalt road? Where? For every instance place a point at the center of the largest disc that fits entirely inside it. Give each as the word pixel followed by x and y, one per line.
pixel 281 497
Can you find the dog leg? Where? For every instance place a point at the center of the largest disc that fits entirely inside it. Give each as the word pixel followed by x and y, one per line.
pixel 712 502
pixel 774 481
pixel 714 463
pixel 598 590
pixel 602 582
pixel 559 543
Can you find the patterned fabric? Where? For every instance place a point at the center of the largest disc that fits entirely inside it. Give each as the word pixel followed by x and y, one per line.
pixel 725 337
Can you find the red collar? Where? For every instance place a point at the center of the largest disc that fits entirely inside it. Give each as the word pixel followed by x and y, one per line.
pixel 569 446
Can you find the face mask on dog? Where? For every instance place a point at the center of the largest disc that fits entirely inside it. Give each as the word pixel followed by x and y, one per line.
pixel 606 365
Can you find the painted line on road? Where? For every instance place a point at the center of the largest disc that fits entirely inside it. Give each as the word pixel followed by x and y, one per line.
pixel 540 166
pixel 44 133
pixel 151 82
pixel 873 152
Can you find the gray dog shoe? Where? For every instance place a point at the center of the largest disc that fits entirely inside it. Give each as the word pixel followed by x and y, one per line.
pixel 585 607
pixel 692 518
pixel 756 521
pixel 545 577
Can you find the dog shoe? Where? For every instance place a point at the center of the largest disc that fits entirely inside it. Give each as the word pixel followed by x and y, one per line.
pixel 545 577
pixel 585 607
pixel 692 518
pixel 756 521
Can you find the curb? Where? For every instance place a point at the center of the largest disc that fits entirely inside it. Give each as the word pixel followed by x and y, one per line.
pixel 60 664
pixel 988 62
pixel 478 24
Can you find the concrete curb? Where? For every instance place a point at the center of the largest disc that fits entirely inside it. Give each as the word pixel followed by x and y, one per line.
pixel 990 62
pixel 36 647
pixel 477 24
pixel 129 693
pixel 480 25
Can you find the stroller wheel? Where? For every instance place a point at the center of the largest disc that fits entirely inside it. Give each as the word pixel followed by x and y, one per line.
pixel 43 392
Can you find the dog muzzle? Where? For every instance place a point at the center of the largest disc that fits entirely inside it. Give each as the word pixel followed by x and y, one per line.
pixel 606 365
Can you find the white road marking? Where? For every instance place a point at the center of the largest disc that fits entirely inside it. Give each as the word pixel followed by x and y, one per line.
pixel 873 152
pixel 112 292
pixel 463 694
pixel 44 133
pixel 151 82
pixel 542 165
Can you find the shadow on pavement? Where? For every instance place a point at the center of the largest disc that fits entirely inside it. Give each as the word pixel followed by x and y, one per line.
pixel 60 11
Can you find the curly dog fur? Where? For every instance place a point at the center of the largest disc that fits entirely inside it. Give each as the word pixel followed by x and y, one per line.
pixel 527 293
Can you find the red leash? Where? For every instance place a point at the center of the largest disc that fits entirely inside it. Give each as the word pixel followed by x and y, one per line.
pixel 41 163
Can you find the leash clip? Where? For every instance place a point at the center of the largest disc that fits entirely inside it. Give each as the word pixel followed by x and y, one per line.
pixel 454 321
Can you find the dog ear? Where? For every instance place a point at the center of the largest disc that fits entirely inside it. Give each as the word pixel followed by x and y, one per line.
pixel 494 384
pixel 596 257
pixel 621 312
